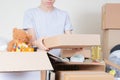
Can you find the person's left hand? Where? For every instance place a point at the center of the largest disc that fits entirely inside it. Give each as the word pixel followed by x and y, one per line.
pixel 40 44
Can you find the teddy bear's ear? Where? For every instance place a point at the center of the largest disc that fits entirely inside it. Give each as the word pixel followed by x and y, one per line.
pixel 14 30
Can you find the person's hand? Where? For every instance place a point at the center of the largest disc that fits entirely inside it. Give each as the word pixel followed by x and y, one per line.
pixel 40 44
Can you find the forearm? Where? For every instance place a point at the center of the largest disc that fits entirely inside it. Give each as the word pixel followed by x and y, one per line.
pixel 33 38
pixel 32 33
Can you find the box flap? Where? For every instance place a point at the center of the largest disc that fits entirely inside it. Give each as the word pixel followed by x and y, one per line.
pixel 24 61
pixel 72 41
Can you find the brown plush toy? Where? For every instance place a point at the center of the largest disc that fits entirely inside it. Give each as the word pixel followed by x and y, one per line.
pixel 21 41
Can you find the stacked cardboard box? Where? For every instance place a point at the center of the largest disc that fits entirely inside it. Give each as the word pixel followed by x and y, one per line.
pixel 110 39
pixel 110 27
pixel 77 70
pixel 83 75
pixel 111 16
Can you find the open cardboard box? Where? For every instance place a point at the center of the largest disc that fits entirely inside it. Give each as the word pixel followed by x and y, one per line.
pixel 69 42
pixel 24 61
pixel 77 70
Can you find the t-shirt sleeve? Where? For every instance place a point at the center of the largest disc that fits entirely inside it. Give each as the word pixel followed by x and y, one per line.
pixel 27 20
pixel 68 25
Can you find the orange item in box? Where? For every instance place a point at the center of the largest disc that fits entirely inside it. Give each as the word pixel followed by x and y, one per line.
pixel 29 49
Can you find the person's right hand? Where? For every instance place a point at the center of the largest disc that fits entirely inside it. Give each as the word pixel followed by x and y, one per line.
pixel 40 44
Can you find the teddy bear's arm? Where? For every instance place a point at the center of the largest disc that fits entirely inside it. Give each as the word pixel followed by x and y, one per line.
pixel 11 46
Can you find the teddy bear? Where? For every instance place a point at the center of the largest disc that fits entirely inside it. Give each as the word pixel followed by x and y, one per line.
pixel 21 41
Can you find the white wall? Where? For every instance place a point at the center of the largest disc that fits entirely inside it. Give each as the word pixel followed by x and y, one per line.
pixel 11 14
pixel 85 14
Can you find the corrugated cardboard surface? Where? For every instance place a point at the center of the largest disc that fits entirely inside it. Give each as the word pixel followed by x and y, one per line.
pixel 111 16
pixel 83 75
pixel 20 61
pixel 72 41
pixel 110 39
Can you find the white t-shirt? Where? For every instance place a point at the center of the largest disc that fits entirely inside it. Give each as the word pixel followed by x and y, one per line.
pixel 47 24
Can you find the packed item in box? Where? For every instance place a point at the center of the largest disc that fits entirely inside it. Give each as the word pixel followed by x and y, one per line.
pixel 115 58
pixel 21 42
pixel 83 54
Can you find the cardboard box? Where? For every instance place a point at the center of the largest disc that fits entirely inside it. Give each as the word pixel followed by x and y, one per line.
pixel 110 39
pixel 111 16
pixel 83 75
pixel 72 41
pixel 24 61
pixel 87 70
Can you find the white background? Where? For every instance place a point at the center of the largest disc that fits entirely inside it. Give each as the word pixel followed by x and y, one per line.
pixel 85 15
